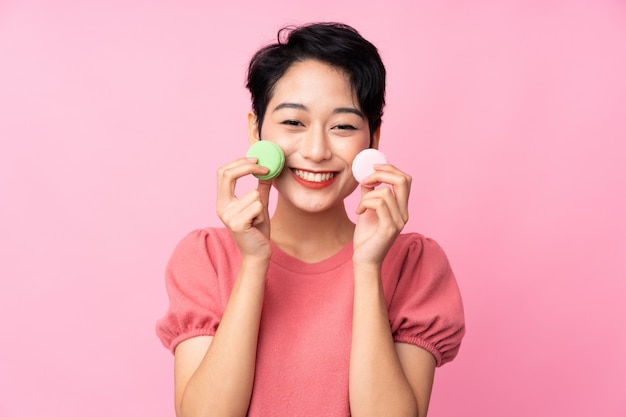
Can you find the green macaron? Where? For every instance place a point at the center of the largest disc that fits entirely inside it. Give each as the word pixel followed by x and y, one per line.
pixel 270 155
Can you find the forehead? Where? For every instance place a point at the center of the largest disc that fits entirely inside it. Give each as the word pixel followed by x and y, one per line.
pixel 312 81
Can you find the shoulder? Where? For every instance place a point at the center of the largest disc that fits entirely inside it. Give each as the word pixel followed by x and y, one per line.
pixel 201 248
pixel 416 248
pixel 205 236
pixel 204 240
pixel 418 260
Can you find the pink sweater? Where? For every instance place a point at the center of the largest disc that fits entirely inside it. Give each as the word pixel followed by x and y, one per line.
pixel 305 334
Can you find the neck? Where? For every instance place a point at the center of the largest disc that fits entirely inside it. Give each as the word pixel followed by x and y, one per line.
pixel 311 237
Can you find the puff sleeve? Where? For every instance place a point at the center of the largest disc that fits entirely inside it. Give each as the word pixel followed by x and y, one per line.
pixel 425 307
pixel 194 290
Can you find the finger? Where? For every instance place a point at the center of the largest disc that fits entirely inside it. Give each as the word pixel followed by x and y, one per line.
pixel 264 187
pixel 383 201
pixel 384 217
pixel 228 175
pixel 365 190
pixel 398 180
pixel 241 214
pixel 252 215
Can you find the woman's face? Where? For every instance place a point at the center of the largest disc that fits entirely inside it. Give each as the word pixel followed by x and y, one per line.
pixel 314 116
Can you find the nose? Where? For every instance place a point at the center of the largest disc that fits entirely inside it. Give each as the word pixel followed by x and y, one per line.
pixel 315 146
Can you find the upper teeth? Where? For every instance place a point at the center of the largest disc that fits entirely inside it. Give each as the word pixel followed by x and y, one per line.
pixel 313 176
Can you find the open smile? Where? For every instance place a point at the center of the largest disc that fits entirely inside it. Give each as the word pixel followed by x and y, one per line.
pixel 313 176
pixel 315 180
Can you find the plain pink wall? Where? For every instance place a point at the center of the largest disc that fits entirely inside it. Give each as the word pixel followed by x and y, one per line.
pixel 509 115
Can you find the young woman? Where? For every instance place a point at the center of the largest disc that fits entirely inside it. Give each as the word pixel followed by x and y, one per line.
pixel 303 312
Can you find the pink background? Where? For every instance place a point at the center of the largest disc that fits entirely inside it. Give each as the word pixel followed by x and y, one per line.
pixel 509 115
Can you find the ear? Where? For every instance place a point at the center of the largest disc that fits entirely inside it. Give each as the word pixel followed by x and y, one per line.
pixel 375 139
pixel 253 128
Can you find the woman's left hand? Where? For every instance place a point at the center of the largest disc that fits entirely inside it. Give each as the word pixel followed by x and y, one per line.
pixel 383 211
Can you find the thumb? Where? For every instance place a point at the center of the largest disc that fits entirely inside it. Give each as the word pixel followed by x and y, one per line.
pixel 264 188
pixel 366 189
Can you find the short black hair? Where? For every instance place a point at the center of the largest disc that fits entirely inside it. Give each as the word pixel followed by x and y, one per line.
pixel 336 44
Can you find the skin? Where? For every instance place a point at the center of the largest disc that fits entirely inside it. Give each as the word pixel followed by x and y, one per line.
pixel 315 117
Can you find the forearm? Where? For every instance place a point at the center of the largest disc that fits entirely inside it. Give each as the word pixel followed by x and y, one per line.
pixel 222 384
pixel 378 385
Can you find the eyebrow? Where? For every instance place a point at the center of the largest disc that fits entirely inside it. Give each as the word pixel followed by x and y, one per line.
pixel 290 106
pixel 305 108
pixel 349 110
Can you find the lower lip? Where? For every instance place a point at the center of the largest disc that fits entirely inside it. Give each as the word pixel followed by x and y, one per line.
pixel 314 185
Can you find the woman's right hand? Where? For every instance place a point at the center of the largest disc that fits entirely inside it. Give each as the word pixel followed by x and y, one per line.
pixel 247 218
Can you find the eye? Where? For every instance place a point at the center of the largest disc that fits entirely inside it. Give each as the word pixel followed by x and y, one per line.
pixel 345 127
pixel 290 122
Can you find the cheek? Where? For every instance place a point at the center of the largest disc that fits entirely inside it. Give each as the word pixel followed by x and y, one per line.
pixel 351 150
pixel 270 133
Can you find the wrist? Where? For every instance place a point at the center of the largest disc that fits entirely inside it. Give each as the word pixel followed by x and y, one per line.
pixel 367 269
pixel 254 265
